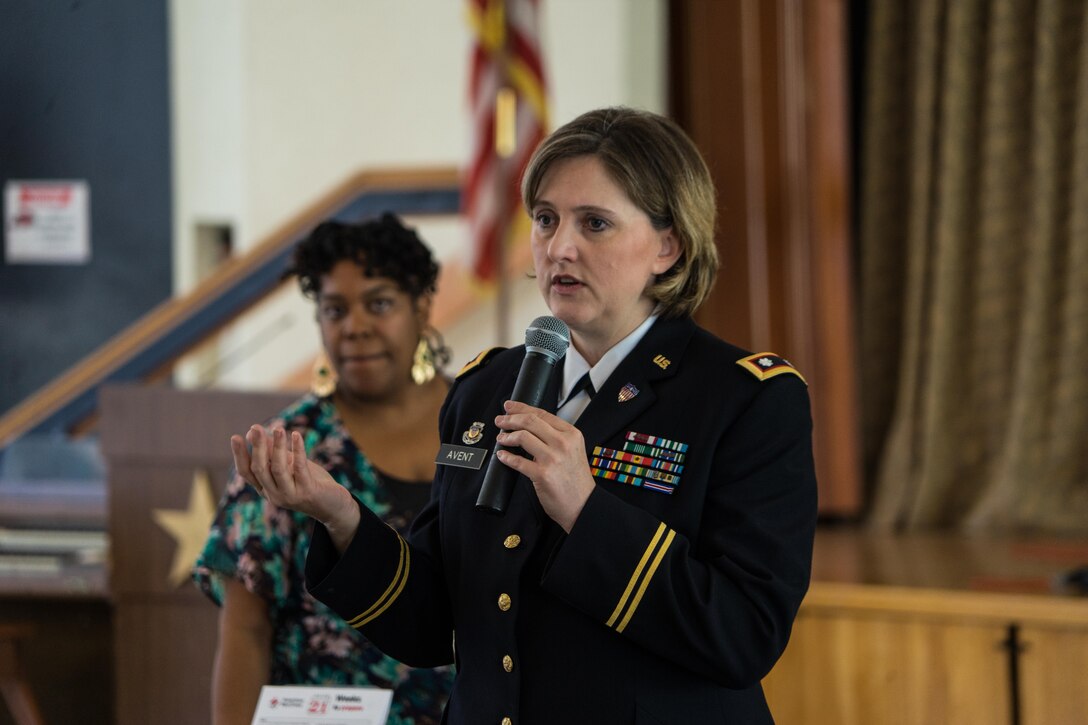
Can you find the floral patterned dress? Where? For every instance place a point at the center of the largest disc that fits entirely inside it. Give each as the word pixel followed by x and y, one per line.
pixel 265 547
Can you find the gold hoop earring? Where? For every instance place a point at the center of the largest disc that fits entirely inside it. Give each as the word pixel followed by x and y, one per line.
pixel 323 378
pixel 423 369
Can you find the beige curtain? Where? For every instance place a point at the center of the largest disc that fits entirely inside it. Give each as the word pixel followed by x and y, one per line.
pixel 974 264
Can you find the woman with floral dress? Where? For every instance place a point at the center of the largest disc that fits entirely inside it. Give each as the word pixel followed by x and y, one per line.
pixel 371 422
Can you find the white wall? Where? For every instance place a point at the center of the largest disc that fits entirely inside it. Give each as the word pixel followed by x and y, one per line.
pixel 278 101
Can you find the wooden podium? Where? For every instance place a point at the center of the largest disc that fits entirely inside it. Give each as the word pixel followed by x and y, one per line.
pixel 162 446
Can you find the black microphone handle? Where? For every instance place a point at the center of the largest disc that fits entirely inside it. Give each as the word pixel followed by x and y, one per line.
pixel 532 380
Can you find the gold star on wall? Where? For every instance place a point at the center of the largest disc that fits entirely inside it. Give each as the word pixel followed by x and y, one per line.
pixel 189 527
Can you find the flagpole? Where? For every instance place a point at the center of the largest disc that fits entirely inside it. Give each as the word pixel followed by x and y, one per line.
pixel 502 293
pixel 505 145
pixel 508 98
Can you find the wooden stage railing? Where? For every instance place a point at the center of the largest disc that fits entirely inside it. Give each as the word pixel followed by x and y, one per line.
pixel 151 344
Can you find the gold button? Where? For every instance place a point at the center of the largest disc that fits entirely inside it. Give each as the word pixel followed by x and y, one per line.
pixel 512 541
pixel 507 721
pixel 508 663
pixel 504 602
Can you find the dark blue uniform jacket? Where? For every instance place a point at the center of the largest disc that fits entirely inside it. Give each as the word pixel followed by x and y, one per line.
pixel 675 591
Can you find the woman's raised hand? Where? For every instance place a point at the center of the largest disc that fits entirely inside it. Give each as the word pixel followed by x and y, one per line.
pixel 276 465
pixel 557 467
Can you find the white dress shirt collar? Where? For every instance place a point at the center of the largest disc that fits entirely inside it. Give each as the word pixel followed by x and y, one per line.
pixel 575 366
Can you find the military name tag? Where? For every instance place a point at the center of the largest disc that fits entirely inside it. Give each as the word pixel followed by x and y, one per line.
pixel 460 456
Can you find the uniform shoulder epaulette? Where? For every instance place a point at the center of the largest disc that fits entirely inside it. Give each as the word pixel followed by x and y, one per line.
pixel 479 361
pixel 766 365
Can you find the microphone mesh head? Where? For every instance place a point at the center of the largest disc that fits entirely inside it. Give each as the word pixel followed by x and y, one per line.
pixel 549 336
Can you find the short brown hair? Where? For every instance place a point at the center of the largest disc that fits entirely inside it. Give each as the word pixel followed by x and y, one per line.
pixel 663 173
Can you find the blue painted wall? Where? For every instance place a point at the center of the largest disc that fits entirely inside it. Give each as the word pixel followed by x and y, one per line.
pixel 84 94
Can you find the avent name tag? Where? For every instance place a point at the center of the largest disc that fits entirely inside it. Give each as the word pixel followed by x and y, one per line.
pixel 460 456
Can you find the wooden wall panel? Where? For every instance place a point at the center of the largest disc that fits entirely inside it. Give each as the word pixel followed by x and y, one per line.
pixel 1053 675
pixel 935 627
pixel 761 87
pixel 859 670
pixel 707 96
pixel 163 659
pixel 67 659
pixel 156 440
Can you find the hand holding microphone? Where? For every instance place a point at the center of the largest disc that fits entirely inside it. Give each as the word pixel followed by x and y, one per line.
pixel 546 342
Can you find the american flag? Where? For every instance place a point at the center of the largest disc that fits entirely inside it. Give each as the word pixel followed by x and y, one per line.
pixel 509 117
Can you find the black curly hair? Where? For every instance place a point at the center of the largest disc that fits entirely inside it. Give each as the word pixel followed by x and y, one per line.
pixel 383 247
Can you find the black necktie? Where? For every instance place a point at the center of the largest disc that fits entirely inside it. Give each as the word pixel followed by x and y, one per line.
pixel 584 383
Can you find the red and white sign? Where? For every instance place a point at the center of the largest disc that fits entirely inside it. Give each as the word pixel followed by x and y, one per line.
pixel 298 705
pixel 47 222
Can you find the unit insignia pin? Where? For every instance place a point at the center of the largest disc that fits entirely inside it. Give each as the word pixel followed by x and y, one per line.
pixel 474 433
pixel 627 392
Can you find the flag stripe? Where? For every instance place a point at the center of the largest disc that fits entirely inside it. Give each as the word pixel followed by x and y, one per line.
pixel 505 54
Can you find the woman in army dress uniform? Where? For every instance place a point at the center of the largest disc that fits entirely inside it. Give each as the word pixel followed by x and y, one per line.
pixel 658 540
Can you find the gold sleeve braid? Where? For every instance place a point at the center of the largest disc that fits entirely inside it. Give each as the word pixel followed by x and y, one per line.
pixel 400 579
pixel 644 574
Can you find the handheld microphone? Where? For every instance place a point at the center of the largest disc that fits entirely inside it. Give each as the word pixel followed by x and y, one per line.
pixel 546 341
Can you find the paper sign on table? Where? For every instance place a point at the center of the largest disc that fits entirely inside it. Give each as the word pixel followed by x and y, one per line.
pixel 291 705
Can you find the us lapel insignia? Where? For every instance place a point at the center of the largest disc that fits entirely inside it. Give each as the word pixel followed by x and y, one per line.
pixel 474 433
pixel 627 392
pixel 661 361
